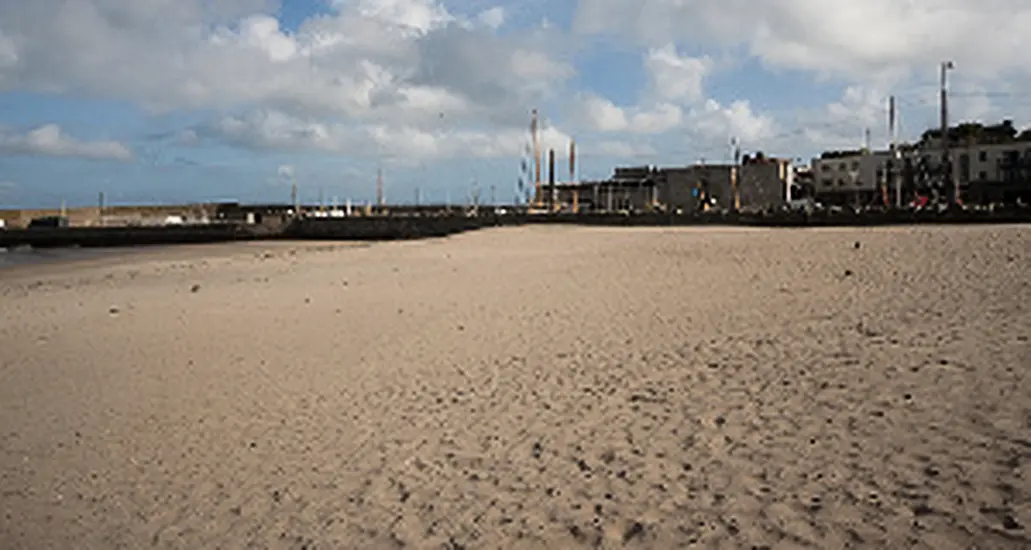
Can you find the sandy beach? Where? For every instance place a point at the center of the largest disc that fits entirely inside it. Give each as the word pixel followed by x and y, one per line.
pixel 536 387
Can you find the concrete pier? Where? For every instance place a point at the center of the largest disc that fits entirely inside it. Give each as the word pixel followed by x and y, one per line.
pixel 373 228
pixel 128 236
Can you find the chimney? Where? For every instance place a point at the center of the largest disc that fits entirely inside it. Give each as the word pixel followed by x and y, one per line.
pixel 572 161
pixel 551 179
pixel 551 167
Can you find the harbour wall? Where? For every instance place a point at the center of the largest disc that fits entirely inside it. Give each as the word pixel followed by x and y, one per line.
pixel 376 228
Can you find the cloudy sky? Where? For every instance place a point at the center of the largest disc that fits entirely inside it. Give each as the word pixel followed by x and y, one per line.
pixel 196 100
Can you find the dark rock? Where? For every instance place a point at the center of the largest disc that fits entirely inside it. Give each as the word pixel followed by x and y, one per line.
pixel 1010 523
pixel 922 509
pixel 635 530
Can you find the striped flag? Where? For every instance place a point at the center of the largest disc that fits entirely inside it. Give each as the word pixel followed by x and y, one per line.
pixel 522 185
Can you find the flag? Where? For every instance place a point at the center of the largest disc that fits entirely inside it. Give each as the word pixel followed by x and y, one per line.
pixel 524 170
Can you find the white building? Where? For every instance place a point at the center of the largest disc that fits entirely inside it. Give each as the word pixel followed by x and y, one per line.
pixel 859 174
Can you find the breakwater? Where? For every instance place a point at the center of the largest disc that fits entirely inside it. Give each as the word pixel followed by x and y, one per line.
pixel 383 228
pixel 61 237
pixel 390 228
pixel 378 228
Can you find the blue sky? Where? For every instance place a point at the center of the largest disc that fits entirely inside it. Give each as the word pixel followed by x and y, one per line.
pixel 156 101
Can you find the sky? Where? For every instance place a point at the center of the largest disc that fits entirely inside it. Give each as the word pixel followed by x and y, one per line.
pixel 173 101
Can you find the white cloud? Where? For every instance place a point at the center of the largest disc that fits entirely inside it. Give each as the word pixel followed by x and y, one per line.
pixel 624 149
pixel 677 77
pixel 493 17
pixel 378 62
pixel 736 120
pixel 279 131
pixel 873 38
pixel 186 137
pixel 873 49
pixel 50 140
pixel 673 102
pixel 598 113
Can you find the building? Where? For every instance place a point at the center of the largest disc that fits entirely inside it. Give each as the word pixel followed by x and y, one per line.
pixel 758 183
pixel 849 177
pixel 697 187
pixel 610 195
pixel 765 182
pixel 989 163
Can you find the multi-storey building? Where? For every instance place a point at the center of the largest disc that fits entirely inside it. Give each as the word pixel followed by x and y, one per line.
pixel 759 183
pixel 849 177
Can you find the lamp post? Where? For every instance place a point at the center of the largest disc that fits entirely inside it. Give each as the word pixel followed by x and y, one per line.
pixel 947 171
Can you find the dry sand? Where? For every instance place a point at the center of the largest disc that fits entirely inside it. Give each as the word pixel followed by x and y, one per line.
pixel 537 387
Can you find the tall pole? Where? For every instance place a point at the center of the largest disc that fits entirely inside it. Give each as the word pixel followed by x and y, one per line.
pixel 947 171
pixel 896 166
pixel 476 197
pixel 735 176
pixel 535 130
pixel 293 195
pixel 551 180
pixel 572 161
pixel 572 176
pixel 379 187
pixel 100 208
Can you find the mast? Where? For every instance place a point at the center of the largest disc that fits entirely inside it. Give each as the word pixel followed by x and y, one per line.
pixel 535 131
pixel 572 175
pixel 379 186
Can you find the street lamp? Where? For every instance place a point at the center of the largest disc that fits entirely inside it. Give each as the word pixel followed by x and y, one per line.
pixel 947 172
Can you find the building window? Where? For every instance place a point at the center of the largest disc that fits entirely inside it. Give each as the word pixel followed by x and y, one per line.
pixel 825 167
pixel 855 165
pixel 842 167
pixel 841 182
pixel 828 183
pixel 982 175
pixel 982 156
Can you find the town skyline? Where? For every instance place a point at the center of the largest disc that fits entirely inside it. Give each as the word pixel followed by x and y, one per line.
pixel 156 102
